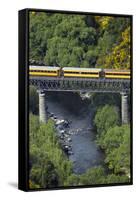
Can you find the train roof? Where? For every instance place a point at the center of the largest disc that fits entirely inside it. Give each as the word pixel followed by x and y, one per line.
pixel 116 70
pixel 81 69
pixel 44 67
pixel 76 68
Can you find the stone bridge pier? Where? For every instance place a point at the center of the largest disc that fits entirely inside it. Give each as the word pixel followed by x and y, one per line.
pixel 43 117
pixel 124 108
pixel 42 107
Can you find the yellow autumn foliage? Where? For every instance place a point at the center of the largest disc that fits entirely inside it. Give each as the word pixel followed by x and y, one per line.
pixel 103 21
pixel 120 54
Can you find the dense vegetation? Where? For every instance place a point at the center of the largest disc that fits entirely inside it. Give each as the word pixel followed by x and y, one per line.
pixel 114 139
pixel 50 167
pixel 79 40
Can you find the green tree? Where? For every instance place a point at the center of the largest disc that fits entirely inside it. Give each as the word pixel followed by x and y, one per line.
pixel 105 118
pixel 93 176
pixel 113 178
pixel 114 43
pixel 61 40
pixel 79 40
pixel 49 166
pixel 120 54
pixel 102 99
pixel 117 145
pixel 73 180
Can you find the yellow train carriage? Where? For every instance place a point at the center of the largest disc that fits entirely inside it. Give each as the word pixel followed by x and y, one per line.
pixel 81 72
pixel 78 72
pixel 44 71
pixel 117 74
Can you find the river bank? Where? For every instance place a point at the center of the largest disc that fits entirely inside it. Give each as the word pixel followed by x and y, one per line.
pixel 79 134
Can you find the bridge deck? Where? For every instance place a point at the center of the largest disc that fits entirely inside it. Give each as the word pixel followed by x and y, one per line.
pixel 80 84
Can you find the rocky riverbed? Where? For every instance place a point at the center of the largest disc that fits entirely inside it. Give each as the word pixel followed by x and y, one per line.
pixel 72 117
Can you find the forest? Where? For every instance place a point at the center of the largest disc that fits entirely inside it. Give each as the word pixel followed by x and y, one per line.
pixel 79 41
pixel 50 166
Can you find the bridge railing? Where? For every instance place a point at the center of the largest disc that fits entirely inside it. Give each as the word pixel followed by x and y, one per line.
pixel 80 84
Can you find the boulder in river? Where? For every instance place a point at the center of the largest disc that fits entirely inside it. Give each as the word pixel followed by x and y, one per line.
pixel 55 117
pixel 69 139
pixel 62 131
pixel 60 121
pixel 61 137
pixel 66 124
pixel 70 153
pixel 51 114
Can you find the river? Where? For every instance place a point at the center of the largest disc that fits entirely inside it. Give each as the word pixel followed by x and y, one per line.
pixel 70 106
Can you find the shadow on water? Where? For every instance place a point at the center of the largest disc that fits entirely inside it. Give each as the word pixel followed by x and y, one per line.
pixel 70 106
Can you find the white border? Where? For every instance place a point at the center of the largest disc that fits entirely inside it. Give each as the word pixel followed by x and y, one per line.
pixel 9 100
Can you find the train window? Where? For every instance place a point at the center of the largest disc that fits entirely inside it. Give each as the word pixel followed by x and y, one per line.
pixel 117 74
pixel 90 73
pixel 70 72
pixel 43 71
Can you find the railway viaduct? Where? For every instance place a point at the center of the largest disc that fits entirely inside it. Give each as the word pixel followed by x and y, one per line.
pixel 44 84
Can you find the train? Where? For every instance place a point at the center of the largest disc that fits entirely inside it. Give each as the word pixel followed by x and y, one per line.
pixel 70 72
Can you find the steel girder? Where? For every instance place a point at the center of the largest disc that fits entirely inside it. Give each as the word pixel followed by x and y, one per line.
pixel 80 84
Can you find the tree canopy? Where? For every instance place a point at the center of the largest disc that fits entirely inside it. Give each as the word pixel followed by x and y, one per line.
pixel 113 139
pixel 79 40
pixel 49 166
pixel 105 118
